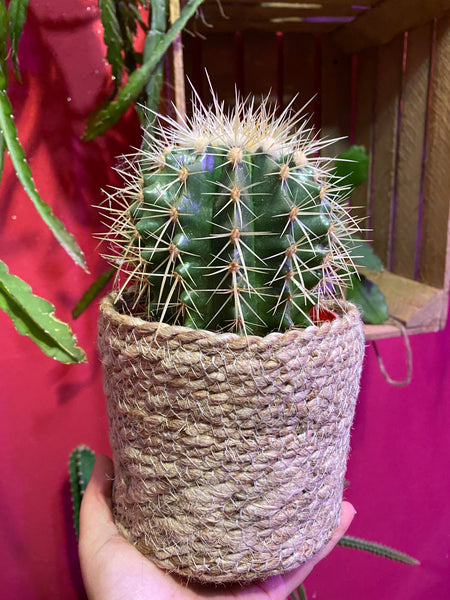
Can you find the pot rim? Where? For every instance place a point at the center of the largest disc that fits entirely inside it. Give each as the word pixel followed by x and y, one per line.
pixel 348 316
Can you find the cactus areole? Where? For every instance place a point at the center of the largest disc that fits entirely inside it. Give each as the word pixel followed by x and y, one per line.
pixel 230 221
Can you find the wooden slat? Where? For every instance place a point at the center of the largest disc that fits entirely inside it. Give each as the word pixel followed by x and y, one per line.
pixel 387 330
pixel 299 76
pixel 218 58
pixel 363 127
pixel 434 259
pixel 335 96
pixel 387 97
pixel 231 25
pixel 311 5
pixel 386 20
pixel 260 63
pixel 415 304
pixel 286 16
pixel 193 64
pixel 240 11
pixel 411 147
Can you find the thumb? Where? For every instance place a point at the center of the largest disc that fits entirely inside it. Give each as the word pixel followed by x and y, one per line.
pixel 294 578
pixel 96 519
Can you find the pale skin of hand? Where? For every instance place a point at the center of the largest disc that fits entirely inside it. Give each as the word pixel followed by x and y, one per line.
pixel 113 569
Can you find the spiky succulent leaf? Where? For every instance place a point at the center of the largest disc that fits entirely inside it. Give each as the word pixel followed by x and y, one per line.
pixel 34 317
pixel 2 154
pixel 3 73
pixel 4 26
pixel 298 594
pixel 100 121
pixel 231 221
pixel 154 36
pixel 92 292
pixel 112 37
pixel 375 548
pixel 23 171
pixel 81 463
pixel 17 12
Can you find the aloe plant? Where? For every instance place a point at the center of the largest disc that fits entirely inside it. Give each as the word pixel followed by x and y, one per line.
pixel 231 220
pixel 33 316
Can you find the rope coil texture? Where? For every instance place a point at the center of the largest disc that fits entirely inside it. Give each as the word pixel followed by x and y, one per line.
pixel 229 452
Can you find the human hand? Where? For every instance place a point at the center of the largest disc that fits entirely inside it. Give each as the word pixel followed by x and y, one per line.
pixel 113 569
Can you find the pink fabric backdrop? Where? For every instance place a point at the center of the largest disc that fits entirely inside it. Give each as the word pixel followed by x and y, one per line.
pixel 399 465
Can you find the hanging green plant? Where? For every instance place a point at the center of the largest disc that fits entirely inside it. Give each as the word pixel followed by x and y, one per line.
pixel 121 21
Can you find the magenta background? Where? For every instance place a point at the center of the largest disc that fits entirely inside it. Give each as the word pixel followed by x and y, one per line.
pixel 399 464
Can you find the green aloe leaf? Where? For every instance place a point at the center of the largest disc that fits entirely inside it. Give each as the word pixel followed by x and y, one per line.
pixel 134 10
pixel 4 36
pixel 379 549
pixel 112 37
pixel 23 171
pixel 81 463
pixel 129 19
pixel 2 154
pixel 3 73
pixel 153 38
pixel 101 121
pixel 92 292
pixel 352 166
pixel 370 300
pixel 34 317
pixel 17 12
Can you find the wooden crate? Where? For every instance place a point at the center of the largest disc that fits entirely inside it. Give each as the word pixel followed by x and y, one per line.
pixel 379 74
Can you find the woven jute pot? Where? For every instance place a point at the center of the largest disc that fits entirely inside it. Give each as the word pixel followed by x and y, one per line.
pixel 229 452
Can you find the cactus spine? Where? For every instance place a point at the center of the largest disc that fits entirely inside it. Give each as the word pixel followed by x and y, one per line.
pixel 231 221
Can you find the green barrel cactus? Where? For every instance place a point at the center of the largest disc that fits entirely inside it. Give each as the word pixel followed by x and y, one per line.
pixel 231 221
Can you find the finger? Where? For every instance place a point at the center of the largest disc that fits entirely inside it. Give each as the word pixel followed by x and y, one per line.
pixel 96 520
pixel 294 578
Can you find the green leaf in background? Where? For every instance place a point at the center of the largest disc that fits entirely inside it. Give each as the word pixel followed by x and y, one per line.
pixel 81 463
pixel 17 12
pixel 154 85
pixel 362 253
pixel 352 542
pixel 2 154
pixel 370 300
pixel 129 18
pixel 298 594
pixel 112 38
pixel 352 166
pixel 4 35
pixel 92 292
pixel 23 171
pixel 3 72
pixel 34 317
pixel 136 15
pixel 154 37
pixel 99 122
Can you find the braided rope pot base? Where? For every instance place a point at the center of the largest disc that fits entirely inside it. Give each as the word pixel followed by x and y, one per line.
pixel 229 452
